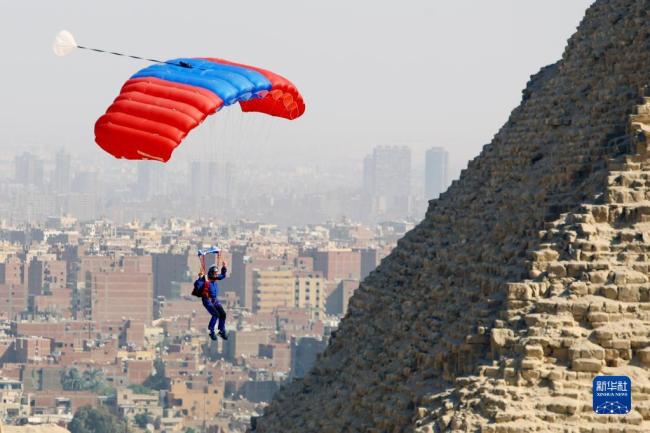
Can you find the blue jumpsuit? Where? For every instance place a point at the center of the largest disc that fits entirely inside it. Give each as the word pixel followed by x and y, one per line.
pixel 210 301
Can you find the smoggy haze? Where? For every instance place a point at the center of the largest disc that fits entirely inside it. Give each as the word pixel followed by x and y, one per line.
pixel 428 73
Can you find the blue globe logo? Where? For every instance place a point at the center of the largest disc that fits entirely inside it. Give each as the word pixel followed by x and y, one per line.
pixel 612 407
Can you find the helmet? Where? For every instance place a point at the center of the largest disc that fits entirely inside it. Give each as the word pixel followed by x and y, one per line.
pixel 213 271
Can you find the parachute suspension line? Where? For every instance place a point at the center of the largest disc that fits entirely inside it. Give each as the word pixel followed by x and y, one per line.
pixel 211 148
pixel 229 131
pixel 247 133
pixel 179 64
pixel 202 258
pixel 258 129
pixel 203 253
pixel 215 141
pixel 221 134
pixel 240 132
pixel 268 134
pixel 207 150
pixel 226 130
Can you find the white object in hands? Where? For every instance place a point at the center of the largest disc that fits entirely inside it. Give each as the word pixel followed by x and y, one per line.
pixel 64 43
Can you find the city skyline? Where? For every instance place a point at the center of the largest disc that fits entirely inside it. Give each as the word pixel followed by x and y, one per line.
pixel 55 182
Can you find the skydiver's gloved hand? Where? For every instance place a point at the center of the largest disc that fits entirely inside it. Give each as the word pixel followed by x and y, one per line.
pixel 224 269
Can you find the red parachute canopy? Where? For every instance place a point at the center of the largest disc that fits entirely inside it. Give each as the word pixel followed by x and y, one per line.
pixel 160 104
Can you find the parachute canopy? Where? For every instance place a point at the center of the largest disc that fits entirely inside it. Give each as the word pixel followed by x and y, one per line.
pixel 159 105
pixel 211 250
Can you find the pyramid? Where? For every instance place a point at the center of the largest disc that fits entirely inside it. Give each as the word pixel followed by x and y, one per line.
pixel 525 280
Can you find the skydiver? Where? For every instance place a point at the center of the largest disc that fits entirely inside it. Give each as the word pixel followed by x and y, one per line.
pixel 210 291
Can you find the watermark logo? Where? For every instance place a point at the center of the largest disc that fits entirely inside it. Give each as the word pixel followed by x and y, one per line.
pixel 612 394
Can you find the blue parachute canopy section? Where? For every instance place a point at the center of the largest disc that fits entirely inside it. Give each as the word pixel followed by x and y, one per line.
pixel 211 250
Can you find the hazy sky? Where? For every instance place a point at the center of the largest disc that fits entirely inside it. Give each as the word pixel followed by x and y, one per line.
pixel 422 72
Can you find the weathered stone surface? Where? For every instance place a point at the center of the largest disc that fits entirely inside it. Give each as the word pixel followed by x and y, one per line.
pixel 500 337
pixel 534 351
pixel 587 364
pixel 529 275
pixel 644 356
pixel 586 349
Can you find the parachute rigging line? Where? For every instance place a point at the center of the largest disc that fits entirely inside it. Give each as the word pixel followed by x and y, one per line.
pixel 64 44
pixel 115 53
pixel 203 253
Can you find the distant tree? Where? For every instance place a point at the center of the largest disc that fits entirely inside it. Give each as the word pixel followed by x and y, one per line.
pixel 140 389
pixel 90 380
pixel 158 380
pixel 165 342
pixel 95 420
pixel 71 380
pixel 105 390
pixel 190 430
pixel 142 419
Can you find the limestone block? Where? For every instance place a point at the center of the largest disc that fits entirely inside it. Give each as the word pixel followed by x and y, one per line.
pixel 561 353
pixel 579 309
pixel 519 291
pixel 556 270
pixel 600 213
pixel 634 418
pixel 629 276
pixel 531 375
pixel 563 406
pixel 584 229
pixel 587 364
pixel 576 269
pixel 629 293
pixel 598 277
pixel 556 289
pixel 572 331
pixel 545 255
pixel 534 351
pixel 615 195
pixel 612 307
pixel 530 363
pixel 644 356
pixel 586 349
pixel 643 407
pixel 621 343
pixel 427 428
pixel 597 317
pixel 610 291
pixel 637 342
pixel 603 334
pixel 578 288
pixel 491 371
